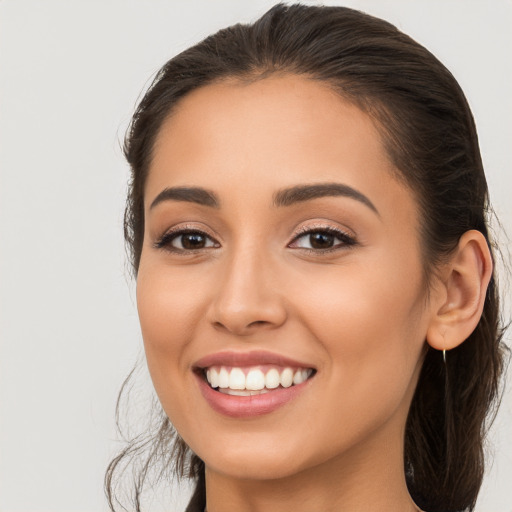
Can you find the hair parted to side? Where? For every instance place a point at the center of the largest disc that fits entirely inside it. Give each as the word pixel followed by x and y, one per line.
pixel 430 136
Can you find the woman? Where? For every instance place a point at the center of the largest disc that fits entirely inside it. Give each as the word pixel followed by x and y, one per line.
pixel 307 221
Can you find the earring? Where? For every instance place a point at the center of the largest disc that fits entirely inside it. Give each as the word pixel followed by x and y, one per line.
pixel 444 356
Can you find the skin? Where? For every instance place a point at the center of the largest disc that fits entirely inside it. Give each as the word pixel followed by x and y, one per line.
pixel 359 314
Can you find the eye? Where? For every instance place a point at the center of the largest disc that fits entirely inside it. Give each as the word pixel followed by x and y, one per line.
pixel 322 239
pixel 185 240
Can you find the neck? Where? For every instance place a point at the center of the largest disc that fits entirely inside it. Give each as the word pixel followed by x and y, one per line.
pixel 367 478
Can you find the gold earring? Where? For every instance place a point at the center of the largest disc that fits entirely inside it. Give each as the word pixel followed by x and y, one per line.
pixel 444 356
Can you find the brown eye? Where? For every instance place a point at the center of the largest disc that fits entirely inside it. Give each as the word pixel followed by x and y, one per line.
pixel 321 240
pixel 186 240
pixel 191 241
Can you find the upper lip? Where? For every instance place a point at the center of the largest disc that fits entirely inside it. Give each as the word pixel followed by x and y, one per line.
pixel 253 358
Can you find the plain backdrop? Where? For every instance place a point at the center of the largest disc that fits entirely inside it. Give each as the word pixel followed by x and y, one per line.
pixel 70 74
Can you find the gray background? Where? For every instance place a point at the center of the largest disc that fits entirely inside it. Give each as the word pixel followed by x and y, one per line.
pixel 70 74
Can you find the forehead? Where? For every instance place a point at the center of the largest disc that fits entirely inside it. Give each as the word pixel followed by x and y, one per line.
pixel 277 111
pixel 268 134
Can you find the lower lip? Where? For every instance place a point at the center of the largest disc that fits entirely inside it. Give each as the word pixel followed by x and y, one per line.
pixel 248 406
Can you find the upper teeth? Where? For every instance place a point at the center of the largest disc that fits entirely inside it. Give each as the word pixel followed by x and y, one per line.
pixel 254 379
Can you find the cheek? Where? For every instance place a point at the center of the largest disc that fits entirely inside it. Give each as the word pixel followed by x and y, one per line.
pixel 369 321
pixel 168 314
pixel 167 307
pixel 168 311
pixel 360 300
pixel 373 347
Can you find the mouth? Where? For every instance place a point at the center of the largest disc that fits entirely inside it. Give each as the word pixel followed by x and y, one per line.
pixel 254 380
pixel 251 384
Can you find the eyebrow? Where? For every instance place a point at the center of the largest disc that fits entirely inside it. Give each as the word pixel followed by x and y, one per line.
pixel 196 195
pixel 301 193
pixel 282 198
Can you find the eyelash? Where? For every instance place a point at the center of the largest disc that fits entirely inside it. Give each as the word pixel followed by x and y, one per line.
pixel 165 241
pixel 347 241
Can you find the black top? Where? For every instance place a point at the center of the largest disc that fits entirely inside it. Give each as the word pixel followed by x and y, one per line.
pixel 196 504
pixel 198 501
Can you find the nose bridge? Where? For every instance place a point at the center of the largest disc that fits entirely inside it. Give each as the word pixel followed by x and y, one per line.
pixel 247 297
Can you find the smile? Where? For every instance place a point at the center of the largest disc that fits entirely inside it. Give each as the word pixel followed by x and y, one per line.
pixel 251 384
pixel 256 380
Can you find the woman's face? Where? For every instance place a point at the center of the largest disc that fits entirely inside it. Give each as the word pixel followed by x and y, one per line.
pixel 277 237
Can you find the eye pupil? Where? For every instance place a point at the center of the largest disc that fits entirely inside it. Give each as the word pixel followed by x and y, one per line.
pixel 321 240
pixel 193 241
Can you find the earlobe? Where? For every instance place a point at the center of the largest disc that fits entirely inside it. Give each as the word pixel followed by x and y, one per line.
pixel 464 286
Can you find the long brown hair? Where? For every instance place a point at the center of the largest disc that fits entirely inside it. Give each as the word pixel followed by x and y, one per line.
pixel 430 136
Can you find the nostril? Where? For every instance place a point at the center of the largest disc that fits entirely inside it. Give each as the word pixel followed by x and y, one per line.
pixel 257 322
pixel 241 328
pixel 219 326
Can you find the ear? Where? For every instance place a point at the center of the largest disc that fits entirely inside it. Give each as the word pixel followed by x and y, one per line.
pixel 459 300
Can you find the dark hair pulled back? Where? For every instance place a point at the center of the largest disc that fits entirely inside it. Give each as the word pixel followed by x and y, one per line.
pixel 429 133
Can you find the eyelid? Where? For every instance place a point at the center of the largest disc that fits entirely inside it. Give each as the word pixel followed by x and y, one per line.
pixel 348 238
pixel 164 240
pixel 323 226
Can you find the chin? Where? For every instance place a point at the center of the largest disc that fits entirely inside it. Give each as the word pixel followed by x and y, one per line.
pixel 254 466
pixel 250 458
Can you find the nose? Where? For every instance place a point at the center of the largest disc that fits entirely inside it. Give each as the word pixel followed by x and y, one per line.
pixel 247 299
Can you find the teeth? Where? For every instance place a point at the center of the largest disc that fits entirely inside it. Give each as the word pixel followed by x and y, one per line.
pixel 272 380
pixel 245 392
pixel 236 392
pixel 236 379
pixel 236 382
pixel 287 378
pixel 213 379
pixel 301 376
pixel 223 378
pixel 255 380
